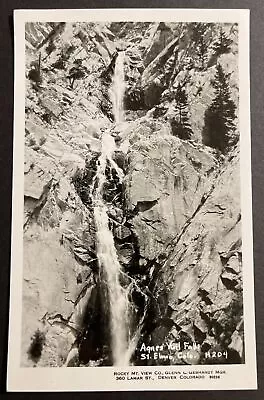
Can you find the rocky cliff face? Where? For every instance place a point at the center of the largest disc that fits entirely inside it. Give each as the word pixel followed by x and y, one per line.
pixel 175 217
pixel 200 283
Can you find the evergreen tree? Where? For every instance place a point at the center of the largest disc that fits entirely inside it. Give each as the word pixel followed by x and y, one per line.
pixel 198 37
pixel 222 43
pixel 180 122
pixel 78 71
pixel 219 117
pixel 35 73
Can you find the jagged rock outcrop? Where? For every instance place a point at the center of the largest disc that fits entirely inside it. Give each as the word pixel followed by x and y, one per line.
pixel 36 33
pixel 160 39
pixel 152 81
pixel 175 216
pixel 54 299
pixel 165 182
pixel 63 126
pixel 202 275
pixel 59 254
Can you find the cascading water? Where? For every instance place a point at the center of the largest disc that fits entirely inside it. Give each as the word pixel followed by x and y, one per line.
pixel 110 269
pixel 117 89
pixel 108 262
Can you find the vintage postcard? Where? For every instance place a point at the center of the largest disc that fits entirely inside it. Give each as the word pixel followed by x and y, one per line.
pixel 132 255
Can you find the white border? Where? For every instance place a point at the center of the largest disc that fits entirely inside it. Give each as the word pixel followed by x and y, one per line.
pixel 101 378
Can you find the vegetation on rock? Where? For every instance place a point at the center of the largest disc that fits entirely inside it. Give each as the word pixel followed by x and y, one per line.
pixel 199 38
pixel 78 71
pixel 180 124
pixel 222 44
pixel 220 115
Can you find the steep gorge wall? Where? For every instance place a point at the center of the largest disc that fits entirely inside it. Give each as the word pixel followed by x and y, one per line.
pixel 175 218
pixel 200 279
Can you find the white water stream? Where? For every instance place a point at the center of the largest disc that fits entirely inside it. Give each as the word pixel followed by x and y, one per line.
pixel 122 345
pixel 117 89
pixel 108 262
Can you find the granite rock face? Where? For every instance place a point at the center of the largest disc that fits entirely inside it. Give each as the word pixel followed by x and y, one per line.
pixel 54 299
pixel 165 183
pixel 203 272
pixel 175 217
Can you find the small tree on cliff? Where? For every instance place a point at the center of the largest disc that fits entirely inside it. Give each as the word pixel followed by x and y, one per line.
pixel 78 71
pixel 35 72
pixel 222 43
pixel 219 117
pixel 198 37
pixel 180 122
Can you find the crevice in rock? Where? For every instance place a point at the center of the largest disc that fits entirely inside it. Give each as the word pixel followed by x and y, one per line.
pixel 145 205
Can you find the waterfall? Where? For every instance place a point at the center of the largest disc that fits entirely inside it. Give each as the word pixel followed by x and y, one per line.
pixel 109 265
pixel 117 89
pixel 123 340
pixel 122 345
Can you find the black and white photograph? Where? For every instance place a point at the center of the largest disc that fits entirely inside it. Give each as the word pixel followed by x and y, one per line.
pixel 131 242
